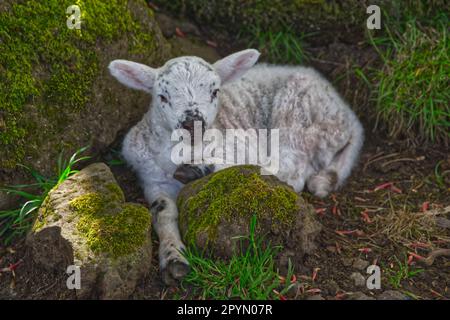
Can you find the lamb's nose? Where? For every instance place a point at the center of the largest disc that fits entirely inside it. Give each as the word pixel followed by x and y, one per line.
pixel 190 125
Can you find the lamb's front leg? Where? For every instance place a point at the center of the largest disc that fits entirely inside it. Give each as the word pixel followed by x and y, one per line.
pixel 173 264
pixel 186 173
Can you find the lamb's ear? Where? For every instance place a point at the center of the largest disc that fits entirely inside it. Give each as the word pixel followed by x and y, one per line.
pixel 134 75
pixel 235 65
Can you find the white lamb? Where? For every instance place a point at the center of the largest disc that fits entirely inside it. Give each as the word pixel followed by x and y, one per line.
pixel 320 136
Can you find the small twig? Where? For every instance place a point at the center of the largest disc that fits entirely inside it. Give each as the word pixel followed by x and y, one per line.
pixel 401 160
pixel 327 61
pixel 47 287
pixel 371 208
pixel 378 159
pixel 434 254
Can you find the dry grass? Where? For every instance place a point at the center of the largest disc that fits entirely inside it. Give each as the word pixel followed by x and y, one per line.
pixel 402 226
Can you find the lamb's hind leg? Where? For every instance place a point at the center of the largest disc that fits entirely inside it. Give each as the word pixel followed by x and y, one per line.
pixel 333 176
pixel 173 264
pixel 322 183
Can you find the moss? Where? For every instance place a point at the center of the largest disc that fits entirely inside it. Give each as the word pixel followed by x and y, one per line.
pixel 116 191
pixel 235 192
pixel 47 214
pixel 47 71
pixel 110 227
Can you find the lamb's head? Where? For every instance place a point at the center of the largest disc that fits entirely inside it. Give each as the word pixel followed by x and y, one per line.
pixel 185 89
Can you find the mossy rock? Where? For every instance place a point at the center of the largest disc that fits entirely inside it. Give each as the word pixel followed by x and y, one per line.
pixel 85 221
pixel 55 89
pixel 216 209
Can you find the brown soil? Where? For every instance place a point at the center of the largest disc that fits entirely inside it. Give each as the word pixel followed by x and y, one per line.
pixel 355 208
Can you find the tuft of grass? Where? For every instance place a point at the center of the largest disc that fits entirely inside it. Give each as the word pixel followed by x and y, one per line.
pixel 403 272
pixel 250 274
pixel 285 47
pixel 16 222
pixel 116 158
pixel 402 226
pixel 412 96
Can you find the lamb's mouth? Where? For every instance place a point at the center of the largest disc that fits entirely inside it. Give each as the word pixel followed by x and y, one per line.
pixel 192 124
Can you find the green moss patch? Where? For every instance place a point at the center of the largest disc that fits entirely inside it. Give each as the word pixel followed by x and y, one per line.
pixel 235 192
pixel 109 227
pixel 47 214
pixel 116 192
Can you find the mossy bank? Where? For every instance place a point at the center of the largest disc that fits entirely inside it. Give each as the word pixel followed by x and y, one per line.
pixel 242 16
pixel 56 93
pixel 302 16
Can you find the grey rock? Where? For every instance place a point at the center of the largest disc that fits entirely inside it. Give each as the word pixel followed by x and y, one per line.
pixel 81 223
pixel 347 262
pixel 359 296
pixel 392 295
pixel 360 264
pixel 358 279
pixel 316 297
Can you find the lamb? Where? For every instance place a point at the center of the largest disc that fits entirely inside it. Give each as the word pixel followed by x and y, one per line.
pixel 320 136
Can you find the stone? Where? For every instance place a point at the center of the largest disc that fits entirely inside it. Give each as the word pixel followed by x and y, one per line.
pixel 347 262
pixel 217 209
pixel 316 297
pixel 360 264
pixel 358 279
pixel 330 287
pixel 359 296
pixel 85 222
pixel 392 295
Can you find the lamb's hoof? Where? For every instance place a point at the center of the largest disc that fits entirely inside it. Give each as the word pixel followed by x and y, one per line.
pixel 186 173
pixel 322 184
pixel 174 272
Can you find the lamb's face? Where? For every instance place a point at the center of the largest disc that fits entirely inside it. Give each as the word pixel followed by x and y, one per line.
pixel 186 90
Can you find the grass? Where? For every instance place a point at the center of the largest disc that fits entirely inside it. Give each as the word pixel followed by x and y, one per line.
pixel 248 275
pixel 16 222
pixel 284 47
pixel 411 91
pixel 404 272
pixel 116 158
pixel 403 226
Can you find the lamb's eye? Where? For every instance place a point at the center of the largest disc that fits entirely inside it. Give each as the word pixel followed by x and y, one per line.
pixel 214 94
pixel 163 98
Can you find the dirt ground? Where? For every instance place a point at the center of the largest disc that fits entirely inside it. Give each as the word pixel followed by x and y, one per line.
pixel 393 183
